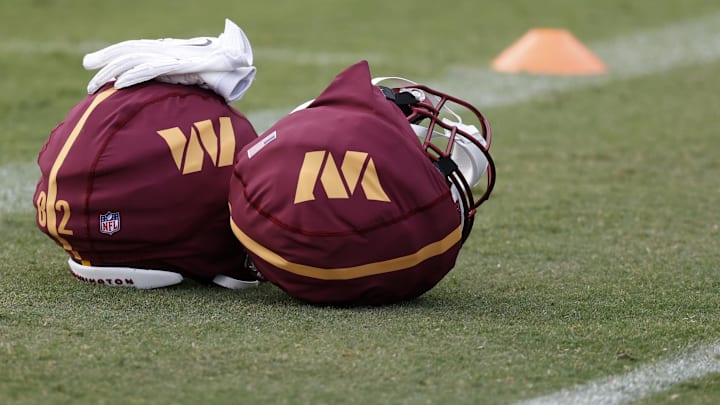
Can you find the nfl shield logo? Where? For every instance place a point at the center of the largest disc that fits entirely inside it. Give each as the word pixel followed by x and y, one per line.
pixel 109 222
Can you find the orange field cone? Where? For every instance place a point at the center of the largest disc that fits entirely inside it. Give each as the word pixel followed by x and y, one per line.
pixel 549 51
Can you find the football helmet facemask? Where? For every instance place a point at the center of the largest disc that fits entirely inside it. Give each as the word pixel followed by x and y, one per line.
pixel 455 136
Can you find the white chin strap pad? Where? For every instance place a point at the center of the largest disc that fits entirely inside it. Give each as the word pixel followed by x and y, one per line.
pixel 470 160
pixel 124 276
pixel 234 284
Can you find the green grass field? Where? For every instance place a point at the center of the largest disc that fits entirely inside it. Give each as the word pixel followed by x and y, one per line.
pixel 597 256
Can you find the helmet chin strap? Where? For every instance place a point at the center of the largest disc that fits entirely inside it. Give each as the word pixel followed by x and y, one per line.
pixel 466 220
pixel 446 165
pixel 449 170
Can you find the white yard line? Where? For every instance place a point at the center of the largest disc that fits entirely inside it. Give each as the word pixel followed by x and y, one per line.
pixel 17 185
pixel 296 57
pixel 644 381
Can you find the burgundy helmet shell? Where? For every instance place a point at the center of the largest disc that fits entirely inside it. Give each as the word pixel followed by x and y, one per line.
pixel 338 203
pixel 139 178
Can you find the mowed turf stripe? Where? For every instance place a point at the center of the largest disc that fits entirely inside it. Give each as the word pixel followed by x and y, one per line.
pixel 17 185
pixel 645 52
pixel 639 54
pixel 644 381
pixel 293 56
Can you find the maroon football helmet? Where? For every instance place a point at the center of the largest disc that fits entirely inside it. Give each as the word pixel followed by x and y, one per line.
pixel 134 186
pixel 338 202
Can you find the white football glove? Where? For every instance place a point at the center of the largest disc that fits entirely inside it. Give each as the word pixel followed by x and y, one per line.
pixel 222 64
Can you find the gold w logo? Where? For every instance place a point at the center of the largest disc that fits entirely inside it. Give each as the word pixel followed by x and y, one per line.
pixel 322 164
pixel 188 151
